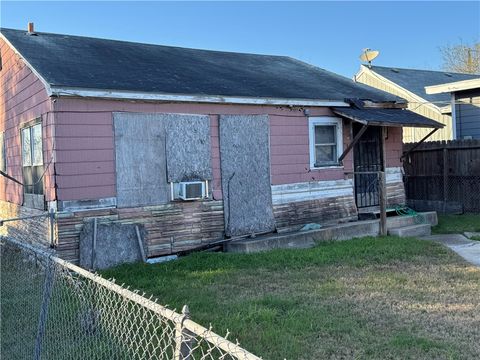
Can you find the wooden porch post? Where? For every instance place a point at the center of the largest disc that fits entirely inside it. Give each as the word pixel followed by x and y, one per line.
pixel 383 187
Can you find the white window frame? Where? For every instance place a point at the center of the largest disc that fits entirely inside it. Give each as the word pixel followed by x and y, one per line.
pixel 326 121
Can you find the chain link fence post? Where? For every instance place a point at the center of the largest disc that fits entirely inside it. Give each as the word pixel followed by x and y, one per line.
pixel 184 339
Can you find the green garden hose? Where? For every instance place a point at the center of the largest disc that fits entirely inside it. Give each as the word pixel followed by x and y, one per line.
pixel 404 210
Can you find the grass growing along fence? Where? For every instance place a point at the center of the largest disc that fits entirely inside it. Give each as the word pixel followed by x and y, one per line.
pixel 51 309
pixel 369 298
pixel 457 224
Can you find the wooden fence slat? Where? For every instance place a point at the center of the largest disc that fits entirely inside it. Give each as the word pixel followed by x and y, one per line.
pixel 446 172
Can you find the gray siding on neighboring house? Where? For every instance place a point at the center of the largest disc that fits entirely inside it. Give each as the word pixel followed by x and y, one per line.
pixel 467 114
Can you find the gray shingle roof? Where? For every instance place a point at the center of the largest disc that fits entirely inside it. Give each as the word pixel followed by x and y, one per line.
pixel 415 80
pixel 91 63
pixel 387 117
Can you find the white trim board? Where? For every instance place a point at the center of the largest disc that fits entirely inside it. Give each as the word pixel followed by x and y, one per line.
pixel 453 86
pixel 393 175
pixel 313 190
pixel 216 99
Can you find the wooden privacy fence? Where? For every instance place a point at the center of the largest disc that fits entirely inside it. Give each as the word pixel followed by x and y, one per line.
pixel 443 176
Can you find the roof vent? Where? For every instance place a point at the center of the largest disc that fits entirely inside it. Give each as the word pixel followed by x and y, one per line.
pixel 30 29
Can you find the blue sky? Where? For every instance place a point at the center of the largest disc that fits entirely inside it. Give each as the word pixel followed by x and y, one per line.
pixel 330 35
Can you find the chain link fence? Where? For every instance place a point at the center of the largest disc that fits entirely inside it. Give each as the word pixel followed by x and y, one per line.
pixel 51 309
pixel 446 194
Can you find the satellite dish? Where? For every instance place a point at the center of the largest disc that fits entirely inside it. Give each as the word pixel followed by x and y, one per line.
pixel 368 55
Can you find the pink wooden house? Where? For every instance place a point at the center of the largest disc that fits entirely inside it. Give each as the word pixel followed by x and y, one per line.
pixel 194 145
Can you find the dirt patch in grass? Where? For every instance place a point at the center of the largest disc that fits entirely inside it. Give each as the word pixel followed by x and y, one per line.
pixel 373 298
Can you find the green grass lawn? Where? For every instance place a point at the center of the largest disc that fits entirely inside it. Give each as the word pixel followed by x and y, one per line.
pixel 457 224
pixel 370 298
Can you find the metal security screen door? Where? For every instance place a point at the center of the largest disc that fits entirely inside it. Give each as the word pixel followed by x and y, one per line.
pixel 367 157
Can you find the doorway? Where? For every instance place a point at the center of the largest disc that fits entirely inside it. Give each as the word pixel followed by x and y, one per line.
pixel 367 157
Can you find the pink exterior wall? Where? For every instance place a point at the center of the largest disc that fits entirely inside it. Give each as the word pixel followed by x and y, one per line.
pixel 394 147
pixel 85 165
pixel 23 98
pixel 290 151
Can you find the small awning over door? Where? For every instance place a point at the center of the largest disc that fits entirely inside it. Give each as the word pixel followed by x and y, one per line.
pixel 387 117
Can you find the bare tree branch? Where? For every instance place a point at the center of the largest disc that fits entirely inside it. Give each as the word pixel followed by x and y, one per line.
pixel 461 58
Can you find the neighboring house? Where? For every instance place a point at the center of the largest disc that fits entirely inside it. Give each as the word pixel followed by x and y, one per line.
pixel 465 105
pixel 127 133
pixel 409 84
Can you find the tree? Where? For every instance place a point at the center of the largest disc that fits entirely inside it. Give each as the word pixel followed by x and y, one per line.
pixel 461 58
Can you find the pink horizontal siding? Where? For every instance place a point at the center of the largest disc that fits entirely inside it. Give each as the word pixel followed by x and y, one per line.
pixel 85 144
pixel 84 136
pixel 86 192
pixel 23 98
pixel 93 167
pixel 394 147
pixel 290 151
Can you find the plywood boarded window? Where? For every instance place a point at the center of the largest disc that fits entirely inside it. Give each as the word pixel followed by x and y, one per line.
pixel 153 150
pixel 245 170
pixel 140 159
pixel 188 147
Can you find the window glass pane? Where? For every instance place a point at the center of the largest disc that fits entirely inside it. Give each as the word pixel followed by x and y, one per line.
pixel 26 148
pixel 325 134
pixel 37 144
pixel 325 154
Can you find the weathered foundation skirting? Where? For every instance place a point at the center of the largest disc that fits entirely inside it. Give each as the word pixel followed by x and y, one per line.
pixel 32 231
pixel 322 211
pixel 180 226
pixel 395 186
pixel 313 202
pixel 170 228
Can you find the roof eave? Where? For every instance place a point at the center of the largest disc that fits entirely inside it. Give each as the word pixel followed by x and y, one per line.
pixel 422 101
pixel 386 123
pixel 189 98
pixel 453 86
pixel 32 69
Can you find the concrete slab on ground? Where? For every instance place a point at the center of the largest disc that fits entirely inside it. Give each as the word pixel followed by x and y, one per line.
pixel 305 239
pixel 411 230
pixel 466 248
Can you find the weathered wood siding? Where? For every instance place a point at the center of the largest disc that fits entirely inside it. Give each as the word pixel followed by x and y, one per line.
pixel 23 98
pixel 323 202
pixel 467 114
pixel 172 227
pixel 416 105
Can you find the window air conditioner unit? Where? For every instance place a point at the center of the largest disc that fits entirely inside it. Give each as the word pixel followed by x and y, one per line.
pixel 191 190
